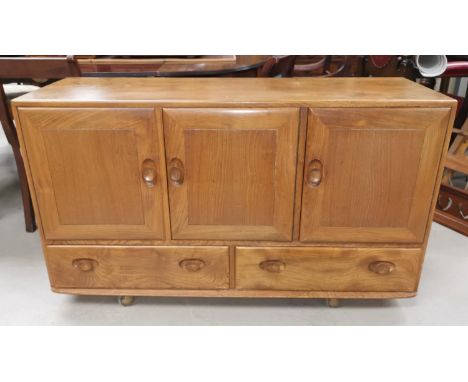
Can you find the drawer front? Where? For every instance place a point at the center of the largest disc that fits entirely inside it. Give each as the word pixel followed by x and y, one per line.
pixel 138 267
pixel 328 269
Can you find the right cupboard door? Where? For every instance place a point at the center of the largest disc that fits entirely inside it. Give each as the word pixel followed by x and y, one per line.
pixel 370 173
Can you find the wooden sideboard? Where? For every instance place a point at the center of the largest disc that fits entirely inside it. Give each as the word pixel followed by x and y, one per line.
pixel 299 187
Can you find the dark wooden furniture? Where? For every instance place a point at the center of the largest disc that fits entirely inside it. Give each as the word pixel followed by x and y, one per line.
pixel 26 69
pixel 277 66
pixel 452 203
pixel 199 66
pixel 235 187
pixel 328 66
pixel 457 69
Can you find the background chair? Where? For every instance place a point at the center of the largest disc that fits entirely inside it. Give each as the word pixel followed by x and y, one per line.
pixel 328 66
pixel 277 66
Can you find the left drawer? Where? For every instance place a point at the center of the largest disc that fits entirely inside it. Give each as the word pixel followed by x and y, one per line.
pixel 91 267
pixel 98 173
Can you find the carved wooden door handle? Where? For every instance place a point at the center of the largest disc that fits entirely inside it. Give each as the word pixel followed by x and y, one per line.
pixel 148 172
pixel 382 267
pixel 85 265
pixel 176 171
pixel 192 265
pixel 273 266
pixel 314 173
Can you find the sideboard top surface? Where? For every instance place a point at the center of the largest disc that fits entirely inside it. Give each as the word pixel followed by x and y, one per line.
pixel 180 92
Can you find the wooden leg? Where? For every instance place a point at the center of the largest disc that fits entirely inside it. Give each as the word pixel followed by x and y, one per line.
pixel 126 300
pixel 28 209
pixel 333 302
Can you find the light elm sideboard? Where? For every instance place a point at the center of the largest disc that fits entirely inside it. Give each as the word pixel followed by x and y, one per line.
pixel 298 187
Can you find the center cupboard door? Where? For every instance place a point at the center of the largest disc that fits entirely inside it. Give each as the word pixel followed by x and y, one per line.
pixel 370 173
pixel 96 172
pixel 231 172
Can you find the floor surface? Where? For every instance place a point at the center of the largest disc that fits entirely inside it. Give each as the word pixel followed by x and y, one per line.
pixel 27 299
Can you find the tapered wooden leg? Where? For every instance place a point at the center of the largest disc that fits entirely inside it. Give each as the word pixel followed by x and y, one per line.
pixel 333 302
pixel 28 210
pixel 126 300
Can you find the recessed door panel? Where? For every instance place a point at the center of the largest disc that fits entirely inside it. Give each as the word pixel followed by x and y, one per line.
pixel 96 172
pixel 370 173
pixel 231 172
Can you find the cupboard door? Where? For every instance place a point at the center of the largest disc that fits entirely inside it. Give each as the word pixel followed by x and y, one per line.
pixel 96 172
pixel 370 173
pixel 231 172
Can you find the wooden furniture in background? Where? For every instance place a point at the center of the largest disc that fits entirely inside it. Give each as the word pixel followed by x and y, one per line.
pixel 278 66
pixel 202 66
pixel 20 69
pixel 181 66
pixel 452 203
pixel 328 66
pixel 390 66
pixel 236 187
pixel 452 206
pixel 457 68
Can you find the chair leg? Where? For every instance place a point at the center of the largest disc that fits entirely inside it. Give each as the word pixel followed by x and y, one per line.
pixel 28 209
pixel 10 132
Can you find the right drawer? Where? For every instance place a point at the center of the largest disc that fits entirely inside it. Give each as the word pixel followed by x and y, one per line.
pixel 328 269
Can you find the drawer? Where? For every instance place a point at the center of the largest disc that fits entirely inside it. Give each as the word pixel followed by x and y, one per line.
pixel 138 267
pixel 328 269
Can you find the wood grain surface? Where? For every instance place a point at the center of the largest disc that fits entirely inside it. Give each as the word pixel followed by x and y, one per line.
pixel 239 171
pixel 294 187
pixel 139 268
pixel 326 269
pixel 87 172
pixel 379 169
pixel 221 92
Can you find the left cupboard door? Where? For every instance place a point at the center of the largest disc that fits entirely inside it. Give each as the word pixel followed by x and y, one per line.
pixel 97 173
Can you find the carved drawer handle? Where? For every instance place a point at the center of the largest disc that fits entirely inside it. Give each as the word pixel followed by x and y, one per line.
pixel 460 210
pixel 192 265
pixel 85 265
pixel 449 203
pixel 273 266
pixel 148 172
pixel 176 171
pixel 314 173
pixel 382 267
